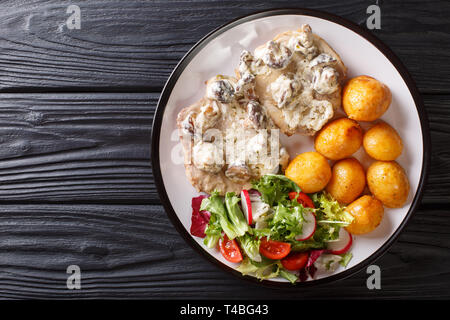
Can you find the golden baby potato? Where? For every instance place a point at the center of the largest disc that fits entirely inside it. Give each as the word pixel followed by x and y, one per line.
pixel 388 182
pixel 339 139
pixel 348 180
pixel 382 142
pixel 365 98
pixel 310 171
pixel 368 212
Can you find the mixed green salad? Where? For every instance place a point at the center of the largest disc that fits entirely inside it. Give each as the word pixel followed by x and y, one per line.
pixel 274 229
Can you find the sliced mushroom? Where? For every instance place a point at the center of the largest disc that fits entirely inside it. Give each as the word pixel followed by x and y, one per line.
pixel 245 61
pixel 303 42
pixel 188 124
pixel 322 59
pixel 285 89
pixel 326 80
pixel 255 115
pixel 276 55
pixel 246 83
pixel 238 172
pixel 306 36
pixel 221 90
pixel 208 116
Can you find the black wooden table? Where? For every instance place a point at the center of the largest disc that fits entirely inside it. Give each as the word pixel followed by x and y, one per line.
pixel 76 186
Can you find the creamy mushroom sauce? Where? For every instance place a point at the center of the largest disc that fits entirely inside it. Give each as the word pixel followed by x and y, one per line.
pixel 231 114
pixel 231 110
pixel 294 93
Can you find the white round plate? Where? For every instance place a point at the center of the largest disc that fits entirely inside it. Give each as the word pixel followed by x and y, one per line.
pixel 362 53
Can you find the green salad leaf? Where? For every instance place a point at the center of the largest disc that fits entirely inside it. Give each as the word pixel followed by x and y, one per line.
pixel 265 270
pixel 329 210
pixel 213 231
pixel 310 244
pixel 214 204
pixel 247 267
pixel 292 278
pixel 346 257
pixel 275 188
pixel 286 223
pixel 235 214
pixel 250 246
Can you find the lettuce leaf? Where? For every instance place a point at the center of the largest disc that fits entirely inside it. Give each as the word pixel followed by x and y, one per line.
pixel 331 216
pixel 275 188
pixel 292 278
pixel 306 245
pixel 346 257
pixel 250 246
pixel 235 215
pixel 329 210
pixel 214 204
pixel 264 271
pixel 213 232
pixel 286 223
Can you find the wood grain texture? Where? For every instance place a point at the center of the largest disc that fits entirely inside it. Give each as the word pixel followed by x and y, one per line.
pixel 134 252
pixel 134 45
pixel 76 147
pixel 96 148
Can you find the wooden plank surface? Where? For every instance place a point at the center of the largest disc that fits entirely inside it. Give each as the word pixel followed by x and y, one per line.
pixel 134 252
pixel 134 45
pixel 76 147
pixel 76 185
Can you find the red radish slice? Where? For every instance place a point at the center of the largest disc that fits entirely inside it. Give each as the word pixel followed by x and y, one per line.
pixel 343 244
pixel 309 226
pixel 247 206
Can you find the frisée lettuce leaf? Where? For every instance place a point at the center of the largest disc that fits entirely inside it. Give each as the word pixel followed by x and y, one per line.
pixel 328 209
pixel 274 188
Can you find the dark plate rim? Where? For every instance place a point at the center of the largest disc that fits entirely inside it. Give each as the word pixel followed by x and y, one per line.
pixel 157 121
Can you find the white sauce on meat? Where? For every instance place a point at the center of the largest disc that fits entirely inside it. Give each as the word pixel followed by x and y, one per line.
pixel 275 55
pixel 325 80
pixel 221 90
pixel 303 42
pixel 207 117
pixel 298 72
pixel 208 156
pixel 245 149
pixel 284 89
pixel 294 94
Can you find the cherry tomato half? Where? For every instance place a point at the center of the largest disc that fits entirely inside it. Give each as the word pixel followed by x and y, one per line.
pixel 295 261
pixel 303 199
pixel 230 249
pixel 274 249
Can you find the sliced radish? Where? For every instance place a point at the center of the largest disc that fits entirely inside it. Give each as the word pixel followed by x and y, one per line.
pixel 309 226
pixel 247 206
pixel 342 245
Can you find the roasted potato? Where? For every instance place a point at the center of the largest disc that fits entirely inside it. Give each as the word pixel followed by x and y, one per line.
pixel 348 180
pixel 339 139
pixel 388 182
pixel 382 142
pixel 310 171
pixel 365 98
pixel 368 212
